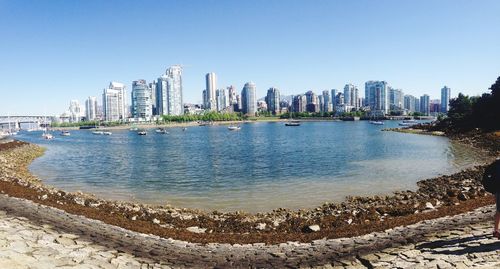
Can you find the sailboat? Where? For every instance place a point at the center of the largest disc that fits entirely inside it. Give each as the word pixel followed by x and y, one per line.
pixel 292 122
pixel 46 135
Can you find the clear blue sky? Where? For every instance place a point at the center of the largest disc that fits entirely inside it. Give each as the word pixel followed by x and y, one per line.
pixel 55 51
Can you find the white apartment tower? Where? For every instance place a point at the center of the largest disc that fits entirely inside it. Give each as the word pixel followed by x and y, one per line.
pixel 91 108
pixel 74 111
pixel 114 104
pixel 210 101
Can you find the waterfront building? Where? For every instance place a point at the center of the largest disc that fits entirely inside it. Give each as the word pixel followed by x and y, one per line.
pixel 152 90
pixel 377 97
pixel 141 100
pixel 91 108
pixel 249 99
pixel 435 107
pixel 340 99
pixel 334 99
pixel 238 105
pixel 425 105
pixel 312 102
pixel 396 99
pixel 210 101
pixel 231 91
pixel 174 90
pixel 222 99
pixel 445 99
pixel 261 106
pixel 410 103
pixel 75 112
pixel 114 102
pixel 161 95
pixel 273 100
pixel 327 101
pixel 299 103
pixel 351 96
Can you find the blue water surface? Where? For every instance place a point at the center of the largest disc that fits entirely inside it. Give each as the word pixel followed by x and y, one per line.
pixel 260 167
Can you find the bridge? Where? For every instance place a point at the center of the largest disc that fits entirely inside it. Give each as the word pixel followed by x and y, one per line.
pixel 14 122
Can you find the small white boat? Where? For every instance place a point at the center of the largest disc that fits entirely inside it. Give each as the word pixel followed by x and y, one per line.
pixel 142 132
pixel 408 123
pixel 376 122
pixel 161 131
pixel 65 133
pixel 134 129
pixel 233 128
pixel 292 123
pixel 184 128
pixel 47 136
pixel 107 133
pixel 97 132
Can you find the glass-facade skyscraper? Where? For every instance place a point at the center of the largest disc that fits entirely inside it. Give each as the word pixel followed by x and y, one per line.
pixel 273 100
pixel 425 106
pixel 249 99
pixel 445 99
pixel 376 94
pixel 169 92
pixel 141 100
pixel 210 97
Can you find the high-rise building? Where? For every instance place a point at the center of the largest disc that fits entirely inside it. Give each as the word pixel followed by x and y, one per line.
pixel 327 101
pixel 434 106
pixel 409 103
pixel 312 102
pixel 334 99
pixel 141 100
pixel 273 100
pixel 351 96
pixel 299 103
pixel 91 108
pixel 222 99
pixel 377 97
pixel 249 99
pixel 114 102
pixel 161 95
pixel 210 101
pixel 425 104
pixel 396 99
pixel 152 90
pixel 445 99
pixel 232 95
pixel 75 112
pixel 174 90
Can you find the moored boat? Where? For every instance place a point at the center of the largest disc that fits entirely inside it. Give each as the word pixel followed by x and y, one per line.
pixel 292 123
pixel 161 131
pixel 142 132
pixel 376 122
pixel 65 133
pixel 233 127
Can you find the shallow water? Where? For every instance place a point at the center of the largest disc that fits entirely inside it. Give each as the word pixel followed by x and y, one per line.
pixel 261 167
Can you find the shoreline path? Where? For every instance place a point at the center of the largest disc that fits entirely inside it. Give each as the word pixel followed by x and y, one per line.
pixel 37 236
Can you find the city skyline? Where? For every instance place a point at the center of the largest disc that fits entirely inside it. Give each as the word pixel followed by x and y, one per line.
pixel 57 54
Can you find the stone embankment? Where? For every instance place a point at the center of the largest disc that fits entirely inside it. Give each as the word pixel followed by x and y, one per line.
pixel 38 236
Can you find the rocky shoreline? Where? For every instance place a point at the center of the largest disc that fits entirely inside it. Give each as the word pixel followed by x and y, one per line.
pixel 436 197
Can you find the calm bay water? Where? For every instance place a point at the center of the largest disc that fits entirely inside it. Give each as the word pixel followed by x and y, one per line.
pixel 261 167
